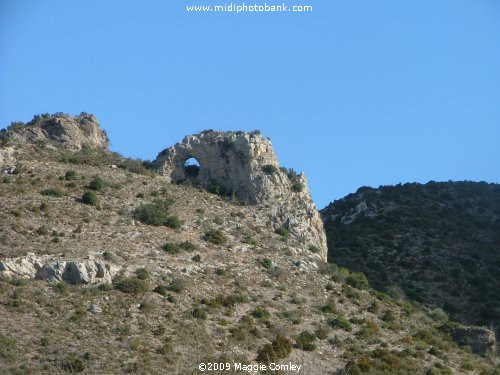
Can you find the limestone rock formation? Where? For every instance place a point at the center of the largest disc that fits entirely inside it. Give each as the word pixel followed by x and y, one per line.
pixel 480 339
pixel 44 268
pixel 60 130
pixel 7 160
pixel 244 165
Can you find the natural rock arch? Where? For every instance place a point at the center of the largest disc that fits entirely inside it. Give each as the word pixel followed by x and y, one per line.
pixel 245 166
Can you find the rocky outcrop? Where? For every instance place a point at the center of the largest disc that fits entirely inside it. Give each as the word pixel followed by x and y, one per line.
pixel 244 165
pixel 59 130
pixel 44 268
pixel 7 160
pixel 480 339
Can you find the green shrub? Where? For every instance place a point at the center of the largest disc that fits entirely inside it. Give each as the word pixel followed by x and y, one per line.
pixel 340 322
pixel 177 285
pixel 132 285
pixel 97 184
pixel 261 313
pixel 314 249
pixel 215 236
pixel 196 258
pixel 358 280
pixel 329 307
pixel 62 287
pixel 438 315
pixel 172 248
pixel 42 231
pixel 90 198
pixel 173 221
pixel 322 332
pixel 297 187
pixel 53 192
pixel 269 169
pixel 142 274
pixel 305 341
pixel 70 175
pixel 154 213
pixel 187 246
pixel 160 289
pixel 280 348
pixel 73 364
pixel 199 313
pixel 266 263
pixel 282 231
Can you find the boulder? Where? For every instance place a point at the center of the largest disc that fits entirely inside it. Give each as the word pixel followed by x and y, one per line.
pixel 76 272
pixel 25 267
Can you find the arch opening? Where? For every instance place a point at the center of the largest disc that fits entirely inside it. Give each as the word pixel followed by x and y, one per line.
pixel 191 167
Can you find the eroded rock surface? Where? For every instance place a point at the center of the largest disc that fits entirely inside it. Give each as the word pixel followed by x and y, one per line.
pixel 244 165
pixel 45 268
pixel 60 130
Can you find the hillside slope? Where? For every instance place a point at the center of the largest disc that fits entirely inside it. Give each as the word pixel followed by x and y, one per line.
pixel 437 243
pixel 107 267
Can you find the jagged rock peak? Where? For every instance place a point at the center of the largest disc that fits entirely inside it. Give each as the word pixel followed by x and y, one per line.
pixel 59 130
pixel 244 165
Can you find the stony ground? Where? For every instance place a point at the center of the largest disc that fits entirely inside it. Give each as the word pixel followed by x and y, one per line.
pixel 218 298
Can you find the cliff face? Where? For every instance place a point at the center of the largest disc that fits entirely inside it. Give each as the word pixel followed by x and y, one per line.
pixel 60 130
pixel 244 165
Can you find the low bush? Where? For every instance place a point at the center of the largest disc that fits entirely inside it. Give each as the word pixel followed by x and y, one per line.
pixel 266 263
pixel 340 322
pixel 177 285
pixel 161 290
pixel 142 274
pixel 269 169
pixel 358 280
pixel 282 231
pixel 53 192
pixel 280 348
pixel 261 313
pixel 131 285
pixel 305 341
pixel 70 175
pixel 155 213
pixel 215 236
pixel 97 184
pixel 90 198
pixel 199 313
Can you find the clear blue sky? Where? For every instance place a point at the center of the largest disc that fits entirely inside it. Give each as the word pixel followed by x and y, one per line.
pixel 355 93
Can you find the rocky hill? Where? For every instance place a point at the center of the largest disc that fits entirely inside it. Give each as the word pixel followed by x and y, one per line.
pixel 110 265
pixel 437 243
